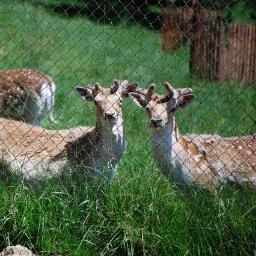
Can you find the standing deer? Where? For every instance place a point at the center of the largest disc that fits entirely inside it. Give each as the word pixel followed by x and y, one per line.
pixel 34 152
pixel 202 159
pixel 26 95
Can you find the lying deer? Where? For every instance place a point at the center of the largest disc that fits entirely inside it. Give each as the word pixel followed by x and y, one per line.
pixel 26 95
pixel 202 159
pixel 38 153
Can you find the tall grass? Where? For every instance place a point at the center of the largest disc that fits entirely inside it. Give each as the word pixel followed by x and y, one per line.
pixel 140 212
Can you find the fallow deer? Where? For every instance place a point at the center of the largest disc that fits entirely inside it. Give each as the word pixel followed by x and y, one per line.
pixel 37 153
pixel 26 95
pixel 208 160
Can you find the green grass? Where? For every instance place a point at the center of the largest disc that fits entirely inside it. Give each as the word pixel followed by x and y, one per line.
pixel 140 212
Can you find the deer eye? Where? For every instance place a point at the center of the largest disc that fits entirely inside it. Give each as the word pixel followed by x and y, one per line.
pixel 147 108
pixel 120 102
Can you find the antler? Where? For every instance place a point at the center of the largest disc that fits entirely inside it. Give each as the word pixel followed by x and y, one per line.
pixel 143 96
pixel 127 87
pixel 169 88
pixel 150 91
pixel 116 86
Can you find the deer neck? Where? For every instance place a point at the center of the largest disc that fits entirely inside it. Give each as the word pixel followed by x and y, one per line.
pixel 163 140
pixel 100 149
pixel 111 136
pixel 175 154
pixel 168 152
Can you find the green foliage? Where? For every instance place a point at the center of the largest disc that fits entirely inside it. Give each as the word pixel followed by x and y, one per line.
pixel 245 12
pixel 140 212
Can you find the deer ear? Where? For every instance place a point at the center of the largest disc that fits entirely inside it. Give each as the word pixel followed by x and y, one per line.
pixel 85 93
pixel 185 99
pixel 138 99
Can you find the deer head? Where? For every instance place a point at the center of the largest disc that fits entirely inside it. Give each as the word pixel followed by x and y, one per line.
pixel 108 101
pixel 161 109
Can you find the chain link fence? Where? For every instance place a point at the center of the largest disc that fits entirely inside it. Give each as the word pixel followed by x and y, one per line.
pixel 97 151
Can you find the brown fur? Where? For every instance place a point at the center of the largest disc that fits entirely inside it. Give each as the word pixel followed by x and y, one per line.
pixel 21 89
pixel 21 139
pixel 30 79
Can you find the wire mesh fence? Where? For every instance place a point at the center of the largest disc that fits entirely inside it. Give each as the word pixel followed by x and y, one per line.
pixel 142 100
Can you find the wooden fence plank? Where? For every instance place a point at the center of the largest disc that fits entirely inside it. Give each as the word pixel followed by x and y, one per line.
pixel 217 50
pixel 253 54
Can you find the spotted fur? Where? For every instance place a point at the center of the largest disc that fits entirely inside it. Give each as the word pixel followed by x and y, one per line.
pixel 26 95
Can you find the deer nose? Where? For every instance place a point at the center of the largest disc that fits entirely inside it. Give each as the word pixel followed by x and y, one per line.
pixel 156 121
pixel 110 116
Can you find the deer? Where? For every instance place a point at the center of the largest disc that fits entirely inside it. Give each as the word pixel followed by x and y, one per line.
pixel 35 153
pixel 26 95
pixel 202 160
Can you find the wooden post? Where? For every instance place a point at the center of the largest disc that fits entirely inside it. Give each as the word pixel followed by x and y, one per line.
pixel 194 21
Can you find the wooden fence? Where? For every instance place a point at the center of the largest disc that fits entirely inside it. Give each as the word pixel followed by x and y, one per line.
pixel 237 53
pixel 218 51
